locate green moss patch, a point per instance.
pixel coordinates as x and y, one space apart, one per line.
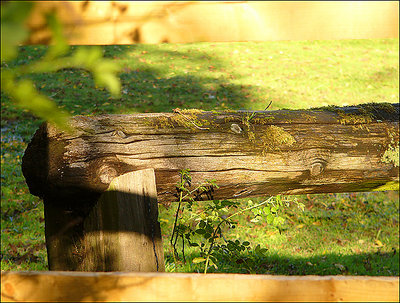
391 155
187 118
354 119
392 185
276 137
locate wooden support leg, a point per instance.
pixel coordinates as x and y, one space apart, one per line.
63 230
122 232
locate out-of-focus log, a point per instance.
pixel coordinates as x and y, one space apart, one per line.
128 22
177 287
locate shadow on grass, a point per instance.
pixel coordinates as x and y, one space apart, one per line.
153 79
159 87
364 264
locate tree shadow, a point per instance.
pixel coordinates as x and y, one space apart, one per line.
363 264
157 86
70 287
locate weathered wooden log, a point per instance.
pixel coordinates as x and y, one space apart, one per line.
247 153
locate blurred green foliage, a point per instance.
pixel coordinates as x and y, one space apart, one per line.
22 91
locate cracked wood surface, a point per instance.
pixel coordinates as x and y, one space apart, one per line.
272 152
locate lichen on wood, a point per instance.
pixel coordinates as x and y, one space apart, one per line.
372 108
391 155
352 119
186 118
392 185
275 137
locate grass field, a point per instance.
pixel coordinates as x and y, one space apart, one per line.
355 234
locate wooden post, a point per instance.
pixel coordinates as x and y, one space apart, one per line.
120 233
63 231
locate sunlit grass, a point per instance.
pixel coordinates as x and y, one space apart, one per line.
354 234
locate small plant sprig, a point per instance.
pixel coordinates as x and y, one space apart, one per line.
205 230
187 196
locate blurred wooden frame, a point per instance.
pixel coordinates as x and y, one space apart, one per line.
128 22
177 287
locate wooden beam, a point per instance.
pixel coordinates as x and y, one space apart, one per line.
128 22
167 287
249 154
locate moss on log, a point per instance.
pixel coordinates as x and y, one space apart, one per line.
248 153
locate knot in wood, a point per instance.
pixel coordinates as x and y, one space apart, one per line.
119 133
107 173
317 168
236 128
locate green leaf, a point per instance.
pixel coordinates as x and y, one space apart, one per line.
26 96
278 221
200 231
104 70
59 43
270 219
11 35
16 11
224 209
209 228
13 29
207 235
246 243
88 57
198 260
231 246
211 262
266 210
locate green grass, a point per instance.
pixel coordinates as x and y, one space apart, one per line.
350 234
355 234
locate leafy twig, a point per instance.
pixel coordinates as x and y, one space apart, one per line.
226 220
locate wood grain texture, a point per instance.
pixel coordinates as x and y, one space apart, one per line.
128 22
273 152
122 232
176 287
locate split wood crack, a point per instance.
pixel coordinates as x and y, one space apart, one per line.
178 111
